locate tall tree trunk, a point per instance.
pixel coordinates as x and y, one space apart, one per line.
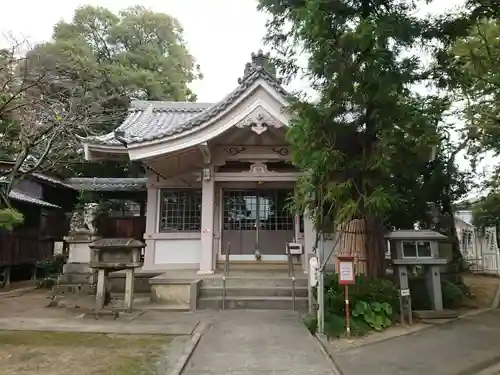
375 247
451 232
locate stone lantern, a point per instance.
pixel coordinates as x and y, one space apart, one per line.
115 254
419 248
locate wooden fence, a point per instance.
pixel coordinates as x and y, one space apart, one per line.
21 247
125 227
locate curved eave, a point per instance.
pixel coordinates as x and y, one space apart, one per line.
96 151
190 138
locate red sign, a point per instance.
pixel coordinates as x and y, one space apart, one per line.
346 270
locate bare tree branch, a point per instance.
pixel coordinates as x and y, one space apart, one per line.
41 121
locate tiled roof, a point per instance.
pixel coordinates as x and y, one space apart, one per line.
51 179
42 177
18 196
147 119
153 120
107 184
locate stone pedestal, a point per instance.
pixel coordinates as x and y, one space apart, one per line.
77 271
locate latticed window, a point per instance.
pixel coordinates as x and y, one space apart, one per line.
180 210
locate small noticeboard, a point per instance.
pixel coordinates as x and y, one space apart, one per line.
346 270
405 292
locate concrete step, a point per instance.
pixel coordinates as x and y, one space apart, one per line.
259 266
253 292
256 282
258 303
162 307
144 303
137 296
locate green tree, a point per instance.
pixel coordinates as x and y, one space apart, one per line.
368 140
136 53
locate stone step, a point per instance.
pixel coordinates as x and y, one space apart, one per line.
147 305
255 282
257 303
137 296
76 278
259 266
253 292
63 288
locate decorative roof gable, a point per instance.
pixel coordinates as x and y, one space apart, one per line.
154 120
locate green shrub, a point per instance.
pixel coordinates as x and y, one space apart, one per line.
10 218
377 315
453 294
375 302
365 289
311 322
420 299
51 267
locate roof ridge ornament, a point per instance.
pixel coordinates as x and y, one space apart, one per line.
260 62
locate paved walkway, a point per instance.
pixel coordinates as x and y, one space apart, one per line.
143 326
245 342
461 347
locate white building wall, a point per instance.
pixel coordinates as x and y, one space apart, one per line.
183 254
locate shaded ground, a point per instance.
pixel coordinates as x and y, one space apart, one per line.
448 349
62 353
17 284
32 304
483 288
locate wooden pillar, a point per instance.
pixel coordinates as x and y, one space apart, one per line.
152 224
207 221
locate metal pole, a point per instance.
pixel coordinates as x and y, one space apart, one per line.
321 287
347 317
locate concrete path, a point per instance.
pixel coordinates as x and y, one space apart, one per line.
164 327
246 342
462 347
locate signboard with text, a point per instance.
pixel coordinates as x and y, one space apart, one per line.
346 270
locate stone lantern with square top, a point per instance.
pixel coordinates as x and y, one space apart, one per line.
418 248
115 254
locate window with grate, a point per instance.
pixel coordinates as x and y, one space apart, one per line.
180 210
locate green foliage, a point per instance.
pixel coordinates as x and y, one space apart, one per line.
374 300
365 289
367 141
49 270
10 218
52 267
136 53
486 213
475 76
377 315
453 294
311 322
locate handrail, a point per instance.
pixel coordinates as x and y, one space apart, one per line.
226 274
291 273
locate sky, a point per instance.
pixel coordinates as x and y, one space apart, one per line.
220 34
